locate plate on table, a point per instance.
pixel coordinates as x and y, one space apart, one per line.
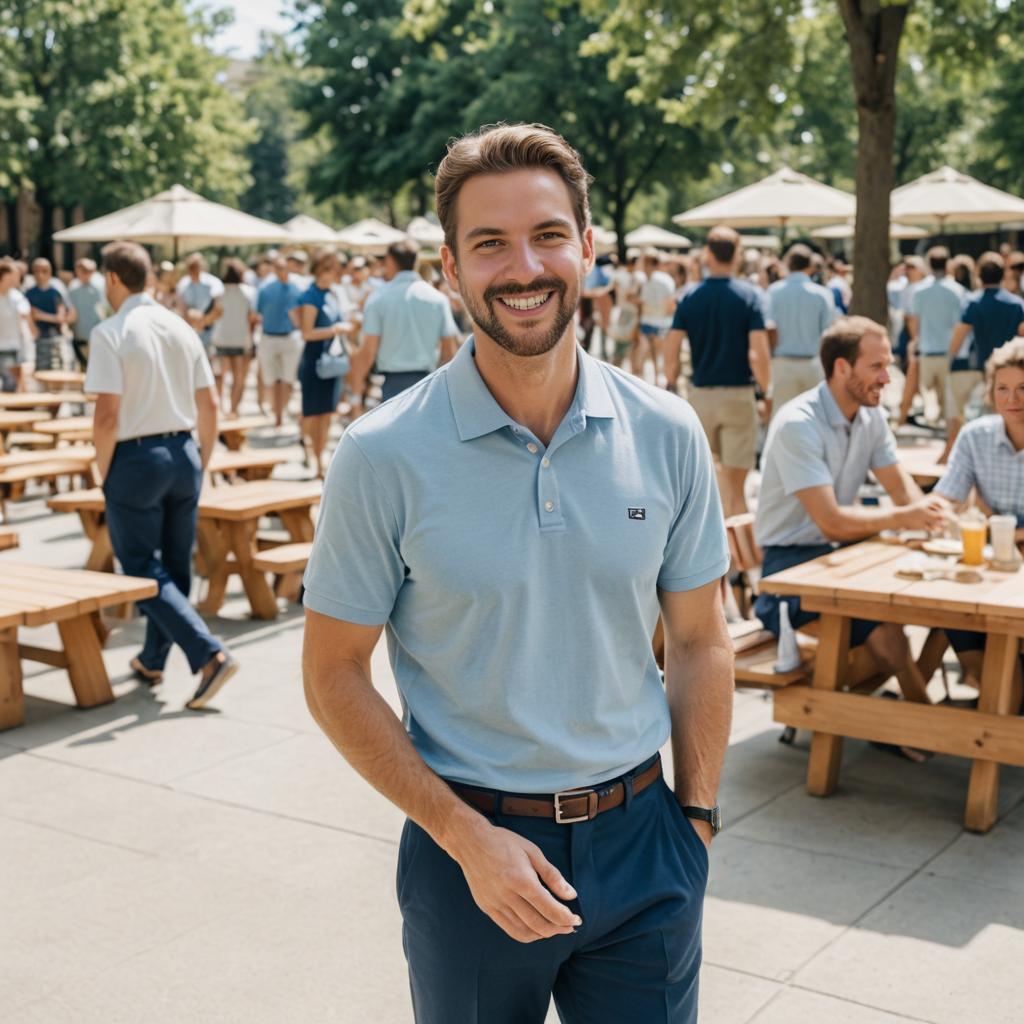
943 546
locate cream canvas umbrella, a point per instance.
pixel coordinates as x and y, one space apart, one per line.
426 233
651 236
605 240
370 236
784 199
841 231
305 230
178 218
949 196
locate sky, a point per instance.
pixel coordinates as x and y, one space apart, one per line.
251 16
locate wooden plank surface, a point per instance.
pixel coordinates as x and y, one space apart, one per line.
257 497
14 419
245 458
56 379
41 399
242 424
81 453
44 469
64 425
90 500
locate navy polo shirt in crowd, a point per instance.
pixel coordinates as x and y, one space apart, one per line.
995 316
718 316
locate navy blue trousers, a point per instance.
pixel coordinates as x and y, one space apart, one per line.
639 870
152 493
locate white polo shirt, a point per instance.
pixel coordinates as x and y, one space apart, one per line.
154 361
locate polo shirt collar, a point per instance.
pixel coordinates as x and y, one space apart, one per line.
403 276
833 413
477 413
1002 438
138 299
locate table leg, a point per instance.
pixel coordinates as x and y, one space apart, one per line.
232 440
94 526
829 674
86 670
995 698
215 561
12 700
256 472
298 523
243 544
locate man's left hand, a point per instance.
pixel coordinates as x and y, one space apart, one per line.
703 829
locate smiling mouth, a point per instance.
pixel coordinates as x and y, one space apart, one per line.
523 304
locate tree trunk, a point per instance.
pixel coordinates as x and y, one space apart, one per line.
44 245
13 224
873 32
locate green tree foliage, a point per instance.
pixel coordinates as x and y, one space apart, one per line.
123 98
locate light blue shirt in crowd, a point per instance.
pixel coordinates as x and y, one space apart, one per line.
984 457
937 304
411 317
811 443
519 582
801 311
274 300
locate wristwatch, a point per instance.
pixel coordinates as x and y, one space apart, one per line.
712 815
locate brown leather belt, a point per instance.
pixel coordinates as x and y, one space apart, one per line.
567 807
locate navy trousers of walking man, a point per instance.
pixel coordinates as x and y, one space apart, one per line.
152 493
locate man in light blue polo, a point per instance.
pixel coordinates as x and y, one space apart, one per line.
802 311
819 450
280 347
935 310
408 327
515 520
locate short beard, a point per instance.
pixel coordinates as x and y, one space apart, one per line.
526 343
861 393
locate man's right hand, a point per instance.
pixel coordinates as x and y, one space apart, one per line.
929 513
505 873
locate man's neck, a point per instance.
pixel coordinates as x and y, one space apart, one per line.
535 391
848 405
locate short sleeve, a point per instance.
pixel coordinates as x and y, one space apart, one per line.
373 322
756 312
201 370
355 570
697 550
884 452
799 457
970 313
104 375
828 311
915 303
679 318
960 477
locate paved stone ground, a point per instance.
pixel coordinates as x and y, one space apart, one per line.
162 865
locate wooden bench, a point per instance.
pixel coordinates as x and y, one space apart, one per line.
13 478
35 595
232 431
66 428
287 562
8 538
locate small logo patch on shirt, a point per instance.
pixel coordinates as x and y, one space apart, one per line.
637 513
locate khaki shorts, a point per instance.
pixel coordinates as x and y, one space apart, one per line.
933 375
792 377
960 384
278 356
729 418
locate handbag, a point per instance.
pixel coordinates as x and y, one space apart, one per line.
332 364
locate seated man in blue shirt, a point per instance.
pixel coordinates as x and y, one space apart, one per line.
516 520
49 314
819 450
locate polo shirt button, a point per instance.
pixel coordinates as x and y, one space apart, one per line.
532 448
545 462
549 506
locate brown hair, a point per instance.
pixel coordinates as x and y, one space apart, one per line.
798 258
1010 355
129 261
938 257
962 269
404 254
842 340
990 268
722 243
234 271
7 267
322 259
499 149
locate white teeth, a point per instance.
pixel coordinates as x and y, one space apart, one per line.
532 303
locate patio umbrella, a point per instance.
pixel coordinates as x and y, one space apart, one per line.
305 230
605 240
651 236
370 235
425 232
949 195
178 218
786 198
896 231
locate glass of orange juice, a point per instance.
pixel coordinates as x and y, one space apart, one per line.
972 535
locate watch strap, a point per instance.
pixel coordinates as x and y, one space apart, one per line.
712 815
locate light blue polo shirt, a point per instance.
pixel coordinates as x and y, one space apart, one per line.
802 311
411 317
938 305
811 443
519 583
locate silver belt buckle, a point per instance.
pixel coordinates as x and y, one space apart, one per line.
560 816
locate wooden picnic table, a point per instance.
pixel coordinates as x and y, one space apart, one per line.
65 428
233 431
34 595
921 461
15 419
51 400
248 463
228 518
60 380
861 582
